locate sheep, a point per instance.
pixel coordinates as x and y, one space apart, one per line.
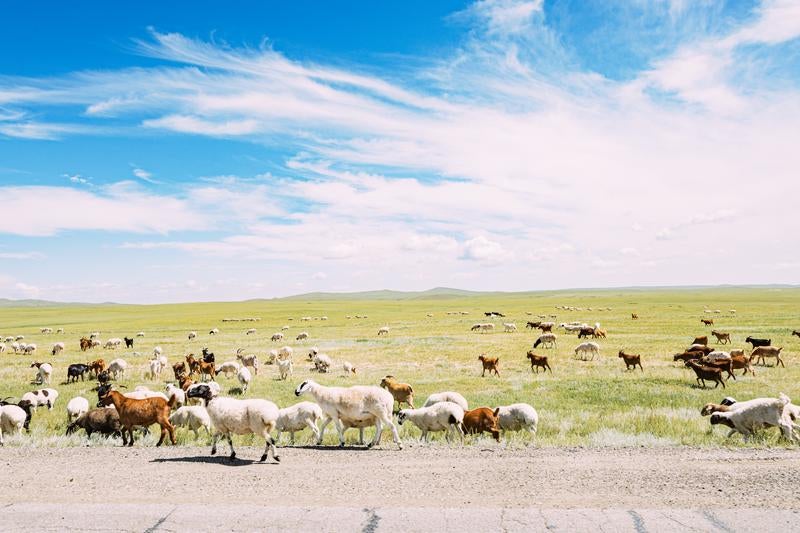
587 348
538 361
140 334
302 336
117 368
704 373
518 416
140 413
447 396
547 340
241 417
58 347
192 416
244 378
348 368
192 335
284 368
77 407
102 420
356 403
297 418
277 337
272 355
717 355
762 352
285 352
157 351
228 368
46 331
401 392
41 397
155 368
755 414
482 419
13 418
29 349
631 360
322 362
490 364
19 337
509 327
284 328
722 338
180 394
444 416
43 373
250 360
250 331
213 331
113 343
384 330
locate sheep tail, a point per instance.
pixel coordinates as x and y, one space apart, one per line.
784 399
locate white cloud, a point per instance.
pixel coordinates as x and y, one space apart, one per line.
485 250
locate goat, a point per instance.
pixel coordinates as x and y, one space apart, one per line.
631 360
701 340
539 361
490 364
138 413
722 338
706 373
758 342
707 321
482 419
763 352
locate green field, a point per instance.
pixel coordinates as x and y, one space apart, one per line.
593 403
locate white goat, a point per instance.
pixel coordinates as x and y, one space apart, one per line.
584 348
352 403
509 327
298 417
58 347
240 417
442 416
229 368
117 368
76 407
284 368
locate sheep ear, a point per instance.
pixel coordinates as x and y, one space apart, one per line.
497 412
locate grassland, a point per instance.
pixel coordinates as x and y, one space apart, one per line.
582 403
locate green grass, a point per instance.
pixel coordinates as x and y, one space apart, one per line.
581 403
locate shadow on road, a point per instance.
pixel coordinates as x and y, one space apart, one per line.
212 459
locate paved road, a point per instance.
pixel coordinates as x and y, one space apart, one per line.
200 517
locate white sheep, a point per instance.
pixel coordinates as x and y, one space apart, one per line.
547 340
303 335
277 336
192 416
46 331
584 348
298 417
284 368
518 416
356 403
192 335
271 356
178 392
747 417
157 351
448 396
113 343
348 368
12 420
322 362
241 417
244 378
19 337
140 334
44 372
229 368
117 368
284 328
442 416
58 347
717 355
509 327
383 331
323 318
60 330
250 331
41 397
286 352
29 348
76 407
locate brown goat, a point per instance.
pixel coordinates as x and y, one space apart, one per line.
631 360
634 316
85 344
739 361
546 327
482 420
206 369
184 381
726 365
401 392
490 364
142 413
97 366
762 352
701 340
796 332
707 321
704 373
178 369
688 356
539 361
194 364
599 333
722 338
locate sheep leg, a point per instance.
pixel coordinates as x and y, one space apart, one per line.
340 430
378 434
230 443
312 425
270 445
214 440
395 435
325 423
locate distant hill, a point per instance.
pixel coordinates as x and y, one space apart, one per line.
439 293
5 302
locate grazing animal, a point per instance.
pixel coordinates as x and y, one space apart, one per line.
229 368
448 396
276 337
128 342
77 407
532 325
301 336
213 331
43 373
758 342
707 321
76 371
192 335
756 414
762 352
490 364
706 373
41 397
547 340
297 418
179 369
546 327
631 360
518 416
401 392
284 368
722 338
634 316
231 416
480 420
701 340
138 413
591 348
13 418
244 377
101 420
796 333
586 332
352 403
193 417
250 360
250 331
539 361
117 368
58 347
443 416
509 327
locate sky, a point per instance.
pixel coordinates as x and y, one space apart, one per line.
207 151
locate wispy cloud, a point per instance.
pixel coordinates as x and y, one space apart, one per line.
144 175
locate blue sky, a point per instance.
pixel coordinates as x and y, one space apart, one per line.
258 149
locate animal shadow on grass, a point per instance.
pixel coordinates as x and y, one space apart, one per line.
212 459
